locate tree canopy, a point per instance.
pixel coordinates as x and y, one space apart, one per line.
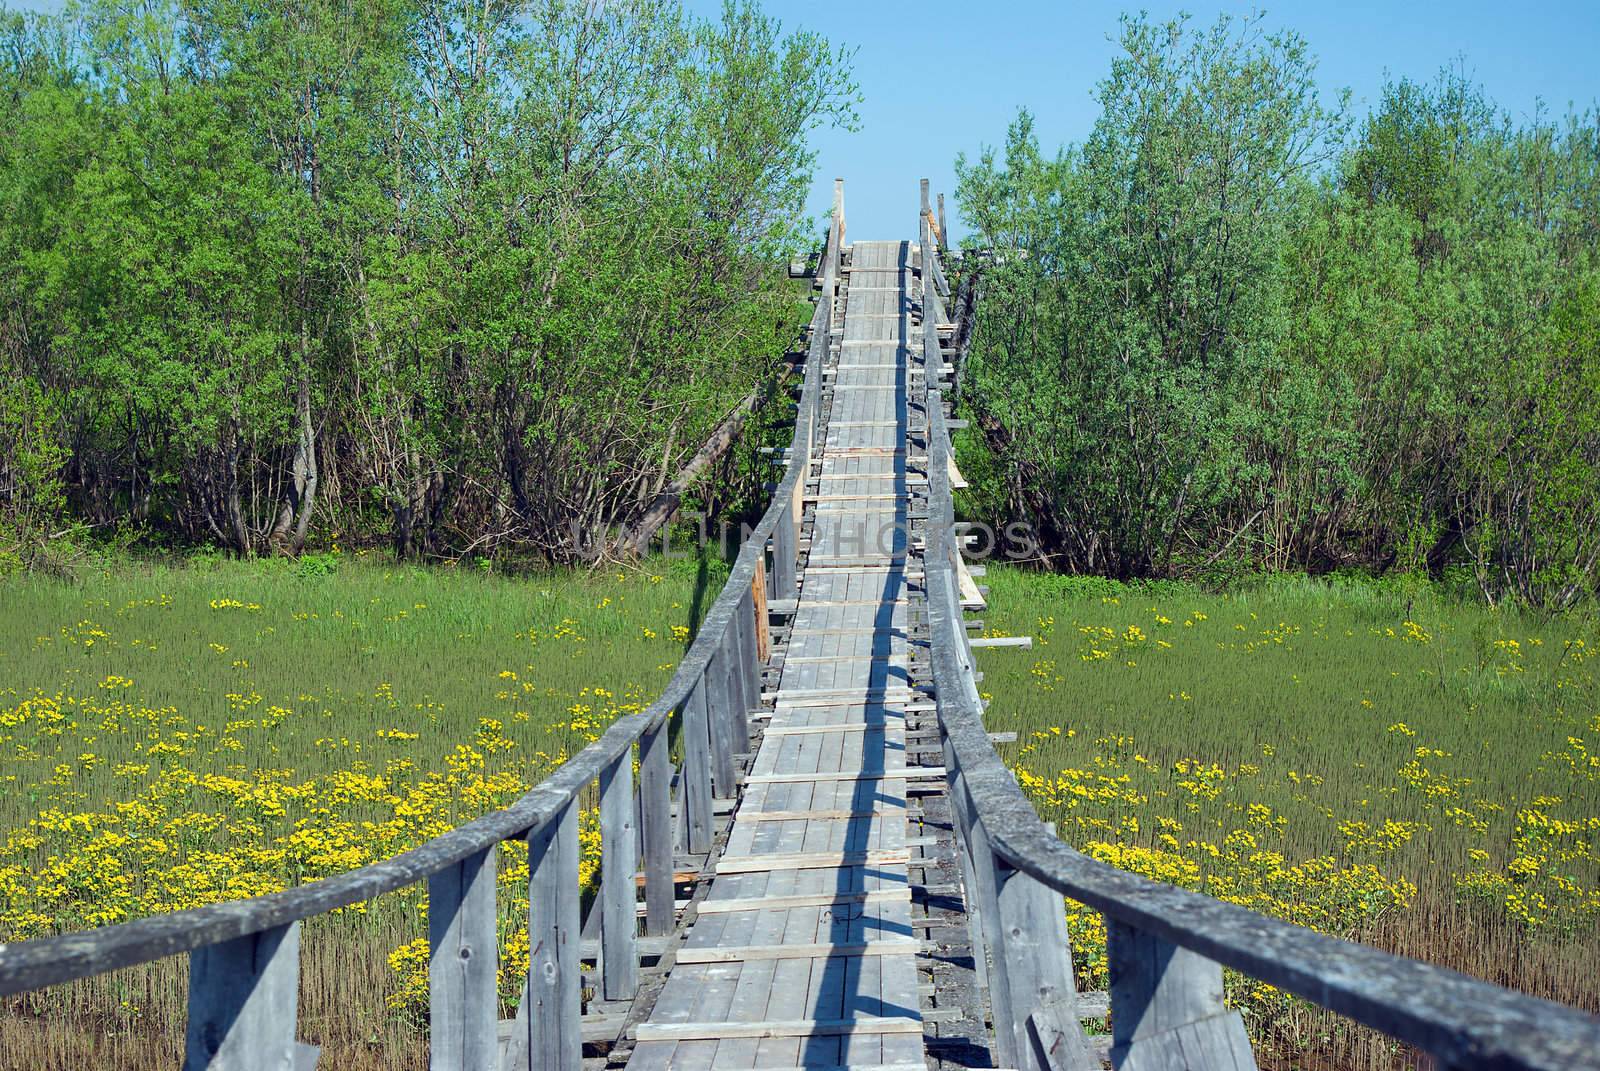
468 274
1233 330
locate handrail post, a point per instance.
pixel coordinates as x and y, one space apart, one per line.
838 219
749 661
695 795
961 819
655 816
783 554
553 1040
619 889
1167 1000
1038 954
982 901
243 1003
721 696
463 965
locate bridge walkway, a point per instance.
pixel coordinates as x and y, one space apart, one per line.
810 948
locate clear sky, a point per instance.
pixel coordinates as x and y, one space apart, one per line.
994 56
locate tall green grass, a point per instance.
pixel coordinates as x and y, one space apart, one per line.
180 732
1384 761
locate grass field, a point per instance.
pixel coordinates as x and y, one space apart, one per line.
1428 781
175 735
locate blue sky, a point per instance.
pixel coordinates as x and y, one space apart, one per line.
996 56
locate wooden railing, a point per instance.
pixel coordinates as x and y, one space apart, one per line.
1166 946
244 954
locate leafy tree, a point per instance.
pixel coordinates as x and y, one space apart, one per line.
480 274
1153 252
1222 332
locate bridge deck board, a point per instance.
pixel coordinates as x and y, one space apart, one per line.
851 635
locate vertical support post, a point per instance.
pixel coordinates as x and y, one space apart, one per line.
797 501
619 889
1038 967
783 554
838 217
944 235
243 1002
695 797
553 1040
982 902
463 966
758 600
749 672
720 702
655 809
1166 1006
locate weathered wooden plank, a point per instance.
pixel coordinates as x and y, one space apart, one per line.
1166 1006
722 701
785 535
792 816
696 793
1038 972
243 1003
909 773
789 1028
835 950
758 611
751 864
463 965
1001 641
655 797
546 1036
619 854
823 899
845 697
747 671
837 727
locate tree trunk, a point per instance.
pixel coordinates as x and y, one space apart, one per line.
636 537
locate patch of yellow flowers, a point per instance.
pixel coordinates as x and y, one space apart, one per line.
152 826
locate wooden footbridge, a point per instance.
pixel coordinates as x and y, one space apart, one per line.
837 871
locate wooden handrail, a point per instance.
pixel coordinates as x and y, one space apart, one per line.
1166 945
245 953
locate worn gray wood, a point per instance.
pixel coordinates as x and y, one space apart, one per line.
784 540
463 966
655 830
1038 962
1056 1041
721 701
619 899
1166 1007
48 961
546 1036
809 921
748 670
1459 1019
696 791
243 1000
982 900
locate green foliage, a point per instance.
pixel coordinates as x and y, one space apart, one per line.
1239 742
480 275
1223 335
